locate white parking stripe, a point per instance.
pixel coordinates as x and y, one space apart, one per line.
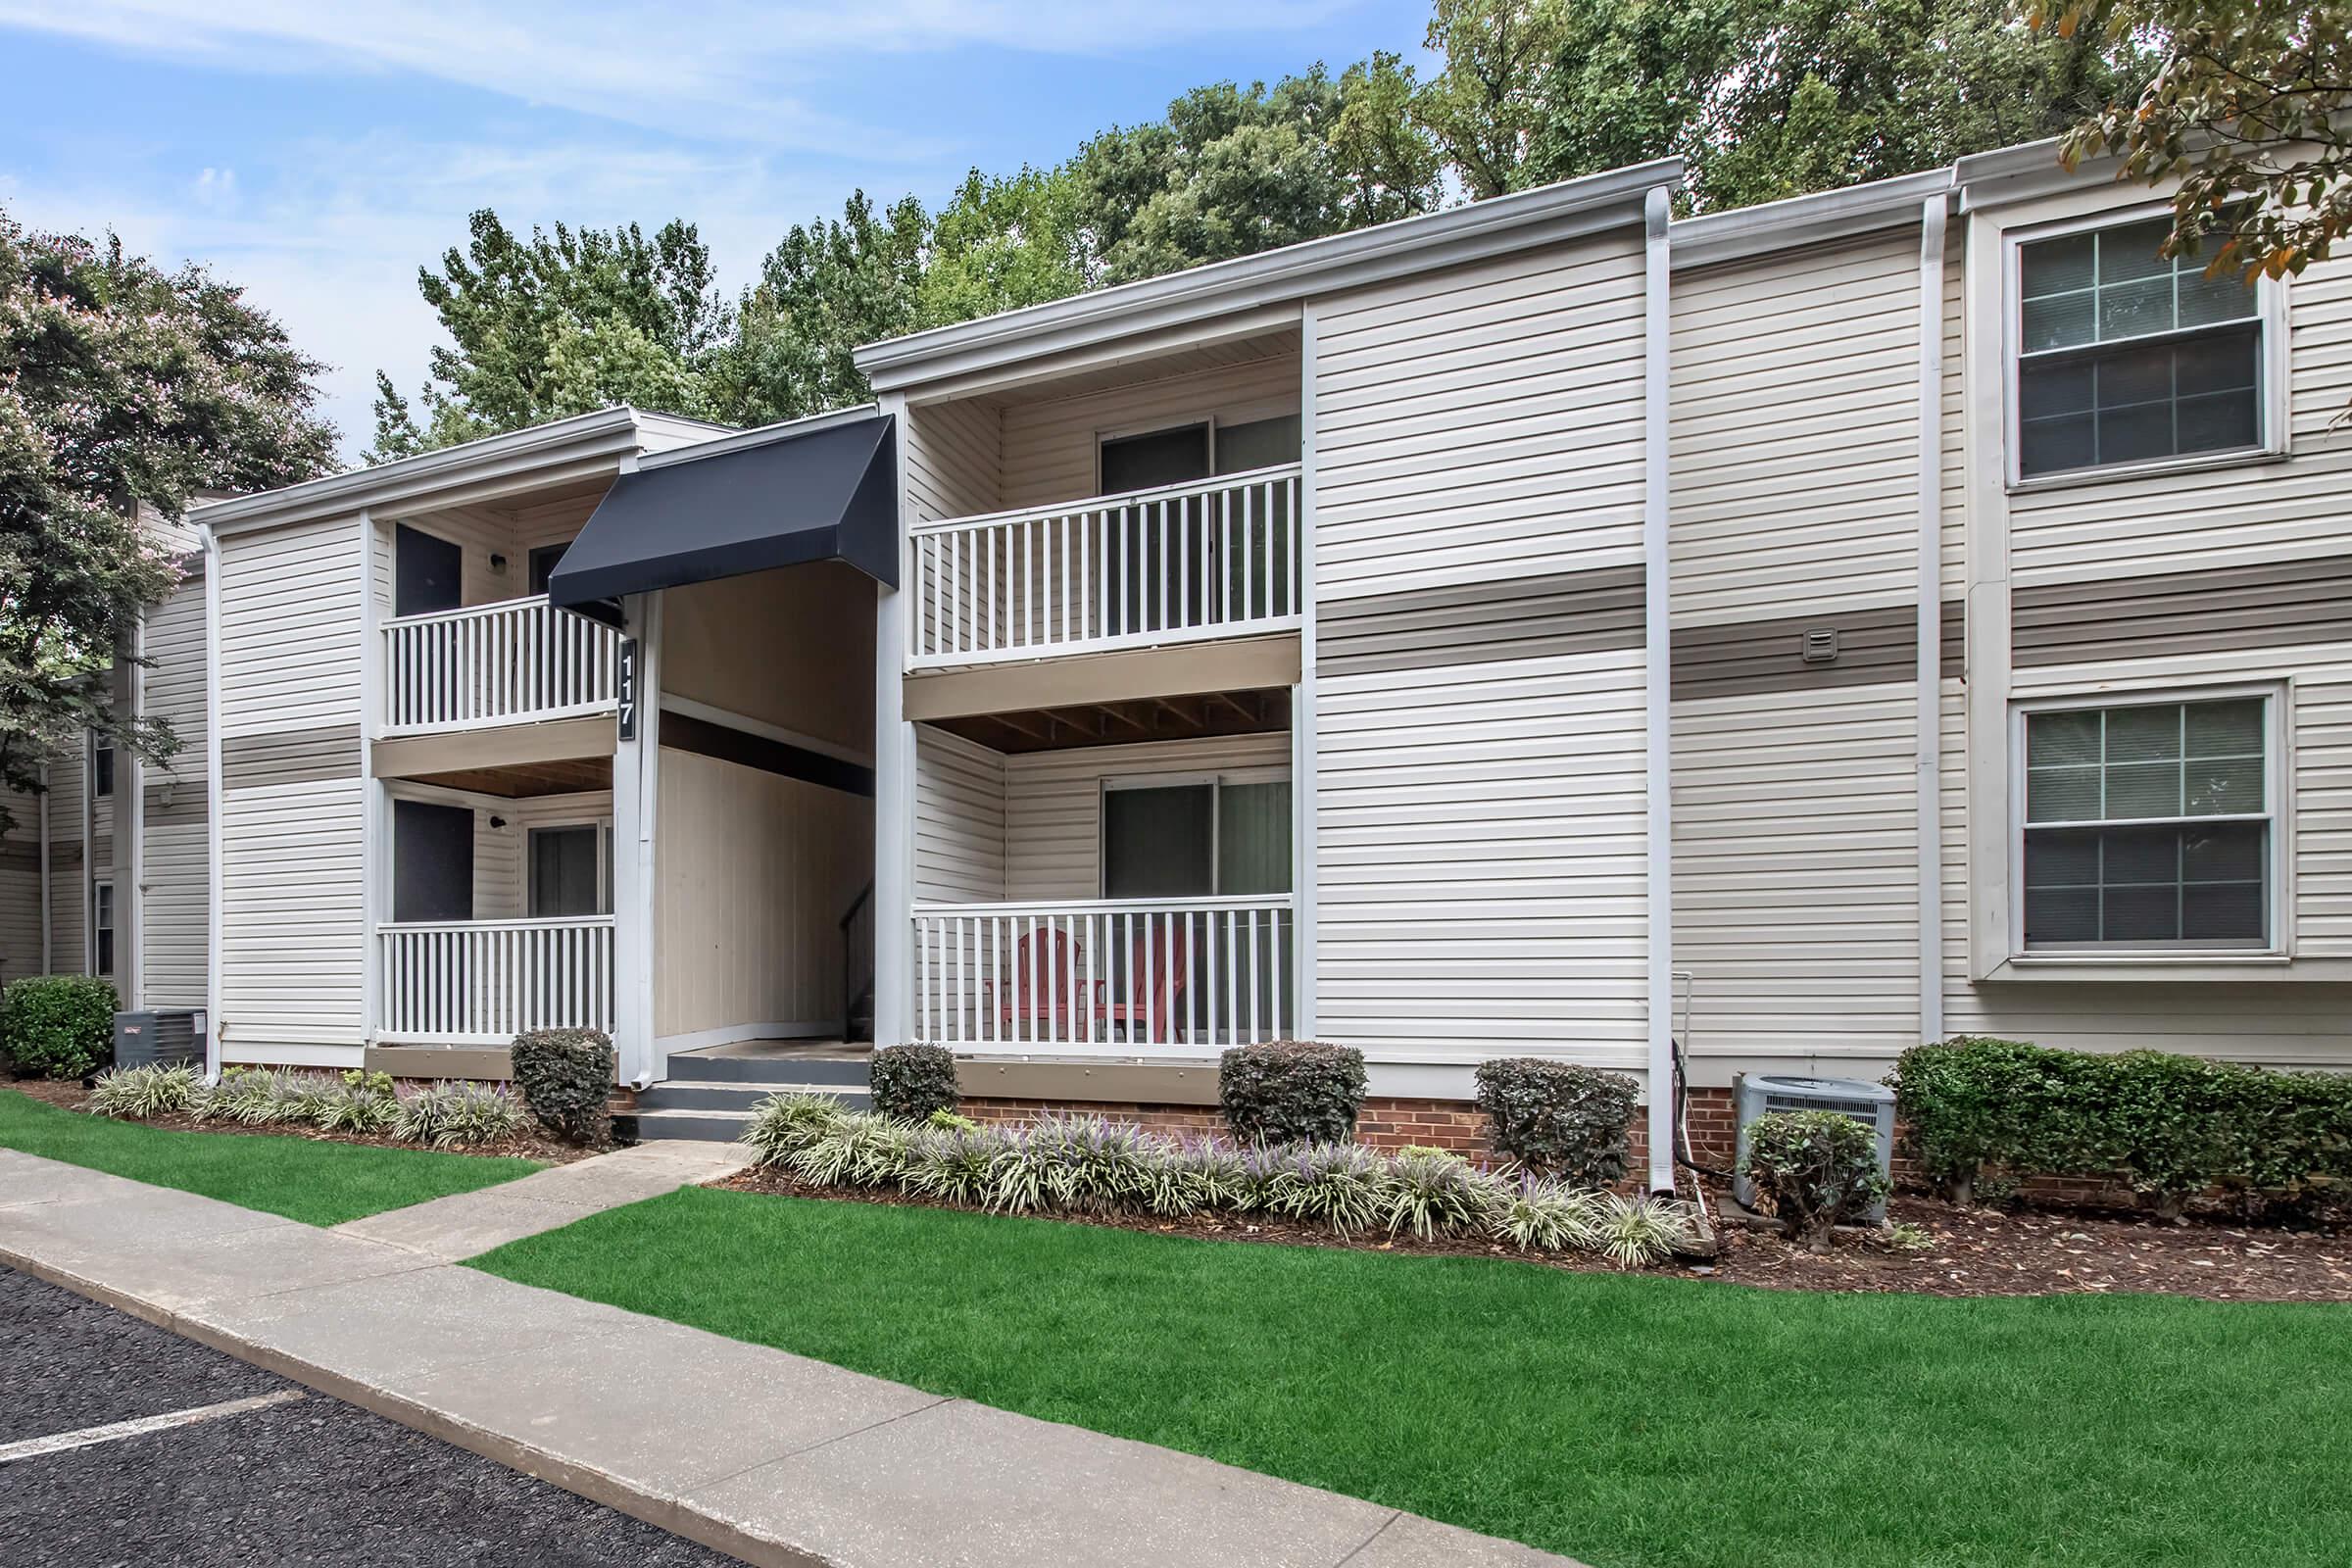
61 1442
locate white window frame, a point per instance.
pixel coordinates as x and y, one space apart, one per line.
105 921
2273 406
2277 697
1217 781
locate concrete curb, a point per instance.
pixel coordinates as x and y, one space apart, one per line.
848 1472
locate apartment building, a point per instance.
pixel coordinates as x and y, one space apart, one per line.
105 870
1539 627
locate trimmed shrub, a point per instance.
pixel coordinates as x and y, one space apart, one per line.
58 1025
1556 1117
566 1076
913 1082
137 1093
1291 1092
2171 1127
1815 1169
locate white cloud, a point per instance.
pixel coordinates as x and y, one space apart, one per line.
217 188
714 68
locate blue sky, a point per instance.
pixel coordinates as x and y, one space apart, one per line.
319 153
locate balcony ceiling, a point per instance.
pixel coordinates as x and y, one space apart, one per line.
1121 723
571 777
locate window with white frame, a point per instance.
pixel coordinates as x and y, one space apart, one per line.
1195 837
2150 825
2125 358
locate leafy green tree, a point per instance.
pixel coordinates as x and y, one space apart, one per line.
1499 86
1001 243
1234 170
2248 118
119 383
560 324
825 289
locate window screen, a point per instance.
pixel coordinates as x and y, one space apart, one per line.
2148 826
2126 357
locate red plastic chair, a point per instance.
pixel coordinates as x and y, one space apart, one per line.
1161 969
1040 991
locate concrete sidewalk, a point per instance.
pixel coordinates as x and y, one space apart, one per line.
773 1457
466 1225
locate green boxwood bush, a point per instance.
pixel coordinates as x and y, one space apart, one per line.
1980 1110
1558 1117
58 1025
913 1082
566 1076
1291 1092
1816 1169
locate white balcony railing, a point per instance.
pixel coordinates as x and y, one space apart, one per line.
1219 558
483 982
1113 975
511 663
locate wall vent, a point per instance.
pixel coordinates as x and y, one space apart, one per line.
1820 645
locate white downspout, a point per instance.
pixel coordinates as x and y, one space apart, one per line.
1658 679
1930 772
213 1024
48 892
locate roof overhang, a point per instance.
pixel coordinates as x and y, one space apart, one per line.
1826 215
1384 251
815 490
560 449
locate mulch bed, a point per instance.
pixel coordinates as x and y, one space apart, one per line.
1973 1251
68 1095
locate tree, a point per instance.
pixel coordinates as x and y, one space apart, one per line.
1234 170
560 324
2247 112
824 289
1486 106
1001 243
119 383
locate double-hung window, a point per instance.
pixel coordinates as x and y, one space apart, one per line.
2127 358
2150 825
102 929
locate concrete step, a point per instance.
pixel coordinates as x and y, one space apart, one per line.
735 1064
707 1126
690 1094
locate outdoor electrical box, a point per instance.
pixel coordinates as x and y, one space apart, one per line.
165 1036
1759 1093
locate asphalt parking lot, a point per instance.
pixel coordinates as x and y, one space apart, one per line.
281 1476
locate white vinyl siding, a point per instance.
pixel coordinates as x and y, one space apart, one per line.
1480 423
959 820
1796 432
290 628
292 926
175 890
1049 447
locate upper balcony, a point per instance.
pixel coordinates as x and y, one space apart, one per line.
515 661
1179 562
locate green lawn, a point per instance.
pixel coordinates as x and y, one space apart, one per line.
316 1182
1623 1420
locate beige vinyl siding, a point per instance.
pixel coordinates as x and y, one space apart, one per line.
69 871
292 925
1796 432
290 628
1049 447
1480 423
502 854
1053 803
1796 884
1478 860
1480 866
175 891
754 871
2220 517
951 461
21 888
959 820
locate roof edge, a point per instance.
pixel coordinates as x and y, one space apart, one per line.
1468 232
759 435
1744 231
617 429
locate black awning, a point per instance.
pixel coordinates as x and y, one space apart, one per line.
830 494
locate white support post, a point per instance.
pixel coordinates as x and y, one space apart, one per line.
894 782
130 837
1658 689
375 820
1306 1015
636 813
48 892
1930 721
213 1024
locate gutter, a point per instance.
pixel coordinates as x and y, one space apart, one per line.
1934 215
1657 677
